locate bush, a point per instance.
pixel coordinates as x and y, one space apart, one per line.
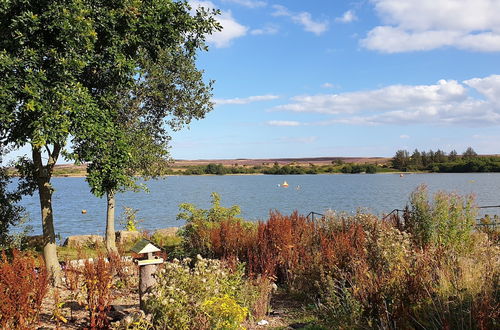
23 285
98 276
187 298
448 222
224 312
430 271
200 222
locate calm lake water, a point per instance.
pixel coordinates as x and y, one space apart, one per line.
255 194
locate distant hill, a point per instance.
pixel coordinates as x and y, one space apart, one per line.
69 170
283 161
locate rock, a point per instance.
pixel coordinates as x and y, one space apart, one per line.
262 322
125 236
83 241
171 231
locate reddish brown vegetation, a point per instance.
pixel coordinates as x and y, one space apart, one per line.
23 285
98 276
369 268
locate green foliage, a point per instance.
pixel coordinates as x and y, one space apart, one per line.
217 169
129 219
224 312
359 168
338 309
438 161
188 298
11 213
111 76
448 221
199 221
143 76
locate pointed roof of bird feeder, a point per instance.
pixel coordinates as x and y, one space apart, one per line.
144 246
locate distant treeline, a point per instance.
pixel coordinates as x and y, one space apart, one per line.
277 169
440 161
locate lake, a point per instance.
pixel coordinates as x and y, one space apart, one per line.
255 194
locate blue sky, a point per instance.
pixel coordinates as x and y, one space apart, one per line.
349 78
317 78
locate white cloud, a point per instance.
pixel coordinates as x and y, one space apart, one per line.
328 85
387 98
280 10
248 3
303 18
285 123
246 100
231 29
404 136
306 139
418 25
447 102
270 29
348 17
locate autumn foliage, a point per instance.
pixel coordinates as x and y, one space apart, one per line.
23 285
364 272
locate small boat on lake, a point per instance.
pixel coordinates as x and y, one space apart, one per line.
284 184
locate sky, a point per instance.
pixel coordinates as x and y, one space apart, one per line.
349 78
334 78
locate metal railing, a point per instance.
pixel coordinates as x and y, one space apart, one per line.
312 214
396 213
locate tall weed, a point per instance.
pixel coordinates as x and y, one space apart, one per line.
98 276
23 285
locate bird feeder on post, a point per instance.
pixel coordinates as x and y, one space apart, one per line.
147 266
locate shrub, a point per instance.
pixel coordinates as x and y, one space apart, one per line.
185 297
224 312
200 222
23 285
98 276
338 308
448 222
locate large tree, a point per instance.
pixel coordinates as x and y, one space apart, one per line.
67 67
146 85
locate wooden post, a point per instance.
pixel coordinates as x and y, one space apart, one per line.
146 281
147 267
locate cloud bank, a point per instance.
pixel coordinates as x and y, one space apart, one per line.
246 100
420 25
447 102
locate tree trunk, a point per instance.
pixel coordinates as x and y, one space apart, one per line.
110 223
42 176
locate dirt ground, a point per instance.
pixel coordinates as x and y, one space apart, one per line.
283 312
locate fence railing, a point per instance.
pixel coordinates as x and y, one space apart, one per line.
396 212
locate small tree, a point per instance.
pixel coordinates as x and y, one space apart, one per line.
400 160
469 153
144 81
453 156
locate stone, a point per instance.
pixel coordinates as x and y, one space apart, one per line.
78 241
125 236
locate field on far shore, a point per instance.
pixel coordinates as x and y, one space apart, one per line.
71 170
